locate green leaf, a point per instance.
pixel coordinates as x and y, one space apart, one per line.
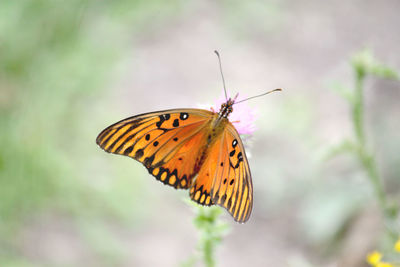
385 72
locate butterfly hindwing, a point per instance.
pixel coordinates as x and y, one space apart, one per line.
232 186
165 142
225 179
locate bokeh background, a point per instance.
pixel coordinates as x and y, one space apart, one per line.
70 68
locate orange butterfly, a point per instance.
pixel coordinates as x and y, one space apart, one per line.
192 149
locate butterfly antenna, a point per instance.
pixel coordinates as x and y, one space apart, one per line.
278 89
222 75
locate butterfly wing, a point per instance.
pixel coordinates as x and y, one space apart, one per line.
166 142
225 177
200 191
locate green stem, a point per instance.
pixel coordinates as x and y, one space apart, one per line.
366 158
211 232
208 254
210 237
358 107
370 167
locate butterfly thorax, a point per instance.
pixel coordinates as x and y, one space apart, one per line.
220 120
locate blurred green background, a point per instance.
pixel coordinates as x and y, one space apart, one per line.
70 68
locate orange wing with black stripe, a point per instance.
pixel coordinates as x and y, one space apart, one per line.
165 142
225 177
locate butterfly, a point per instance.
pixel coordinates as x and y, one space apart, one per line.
193 149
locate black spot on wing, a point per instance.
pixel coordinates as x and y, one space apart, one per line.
139 153
175 123
128 150
239 159
160 122
234 143
183 116
148 161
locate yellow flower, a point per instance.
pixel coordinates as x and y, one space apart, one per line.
383 264
374 258
397 246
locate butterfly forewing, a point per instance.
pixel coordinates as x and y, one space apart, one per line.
165 142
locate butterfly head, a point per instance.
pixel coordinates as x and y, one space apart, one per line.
226 108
